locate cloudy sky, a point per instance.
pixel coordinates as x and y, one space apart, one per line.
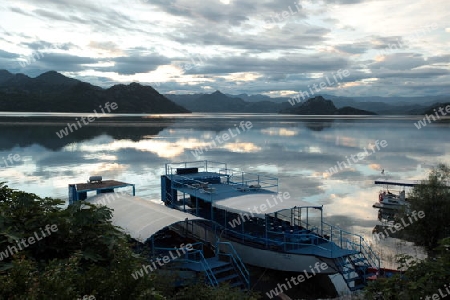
273 47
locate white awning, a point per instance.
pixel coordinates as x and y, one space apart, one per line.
258 204
138 217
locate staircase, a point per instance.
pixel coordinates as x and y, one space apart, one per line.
353 271
358 267
226 272
241 277
359 263
224 266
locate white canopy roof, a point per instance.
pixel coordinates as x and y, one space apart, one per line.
259 204
138 217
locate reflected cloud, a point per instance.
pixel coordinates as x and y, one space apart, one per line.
279 131
299 153
137 155
242 147
376 167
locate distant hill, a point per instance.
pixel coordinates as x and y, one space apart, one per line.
259 98
388 105
433 109
348 110
219 102
263 104
320 106
54 92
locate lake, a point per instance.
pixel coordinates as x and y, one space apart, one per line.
320 160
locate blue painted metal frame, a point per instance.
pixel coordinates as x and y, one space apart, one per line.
74 193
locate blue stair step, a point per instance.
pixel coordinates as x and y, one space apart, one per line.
357 260
223 270
347 271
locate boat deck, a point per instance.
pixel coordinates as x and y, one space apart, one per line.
249 210
105 184
238 194
327 250
221 191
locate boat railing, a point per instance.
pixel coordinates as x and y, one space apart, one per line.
201 165
236 260
195 255
253 183
250 180
281 241
350 241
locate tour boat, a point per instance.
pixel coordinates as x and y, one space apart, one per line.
268 228
388 199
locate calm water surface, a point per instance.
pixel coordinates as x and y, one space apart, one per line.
298 150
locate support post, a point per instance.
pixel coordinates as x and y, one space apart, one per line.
321 221
307 218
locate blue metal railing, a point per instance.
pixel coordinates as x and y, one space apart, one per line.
204 263
194 256
351 241
281 240
202 165
237 262
233 176
248 179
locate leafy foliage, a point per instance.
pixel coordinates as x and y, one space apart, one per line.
420 278
423 279
87 255
433 198
225 292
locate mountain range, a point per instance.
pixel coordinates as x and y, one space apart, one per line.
54 92
320 106
243 103
219 102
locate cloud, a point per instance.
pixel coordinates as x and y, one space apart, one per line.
278 47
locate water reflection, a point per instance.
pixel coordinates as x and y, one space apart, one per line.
300 152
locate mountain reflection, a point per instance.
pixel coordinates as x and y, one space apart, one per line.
299 151
25 134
